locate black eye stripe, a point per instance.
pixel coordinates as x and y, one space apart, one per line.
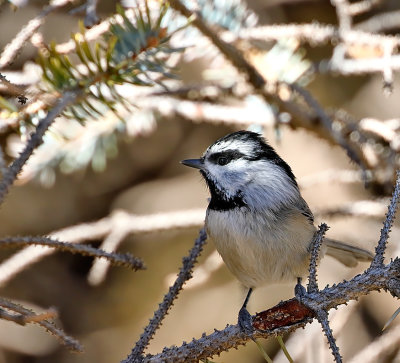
229 155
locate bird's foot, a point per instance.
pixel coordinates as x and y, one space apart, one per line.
299 289
245 321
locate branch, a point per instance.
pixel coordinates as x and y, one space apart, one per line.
387 225
12 49
100 229
185 274
322 317
283 318
28 316
118 259
36 139
314 248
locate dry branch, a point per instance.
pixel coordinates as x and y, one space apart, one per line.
185 274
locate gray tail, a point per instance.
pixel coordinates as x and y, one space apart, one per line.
346 254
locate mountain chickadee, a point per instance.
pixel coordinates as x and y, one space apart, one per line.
257 218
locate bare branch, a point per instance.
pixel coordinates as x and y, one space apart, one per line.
91 17
360 208
381 22
314 33
343 15
36 139
185 274
322 317
387 225
100 229
315 249
118 259
363 6
29 316
11 50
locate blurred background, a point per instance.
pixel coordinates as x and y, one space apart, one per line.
128 162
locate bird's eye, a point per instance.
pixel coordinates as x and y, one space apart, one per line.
222 160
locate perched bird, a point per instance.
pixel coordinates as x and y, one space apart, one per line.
257 218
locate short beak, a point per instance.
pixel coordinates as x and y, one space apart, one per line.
193 163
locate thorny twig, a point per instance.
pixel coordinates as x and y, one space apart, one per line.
387 225
314 248
28 316
36 139
130 223
185 274
322 317
118 259
20 315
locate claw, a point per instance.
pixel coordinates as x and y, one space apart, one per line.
299 289
245 321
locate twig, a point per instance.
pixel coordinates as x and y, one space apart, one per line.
314 34
207 112
100 229
364 6
381 22
12 49
315 248
36 139
360 208
343 14
100 267
11 88
91 17
23 319
3 165
387 225
348 67
118 259
68 341
322 317
185 274
327 123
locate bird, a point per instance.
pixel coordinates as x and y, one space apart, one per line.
258 220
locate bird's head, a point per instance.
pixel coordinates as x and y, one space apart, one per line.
242 169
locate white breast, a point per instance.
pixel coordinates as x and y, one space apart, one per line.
262 248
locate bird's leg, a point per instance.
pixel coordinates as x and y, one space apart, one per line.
244 318
299 289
